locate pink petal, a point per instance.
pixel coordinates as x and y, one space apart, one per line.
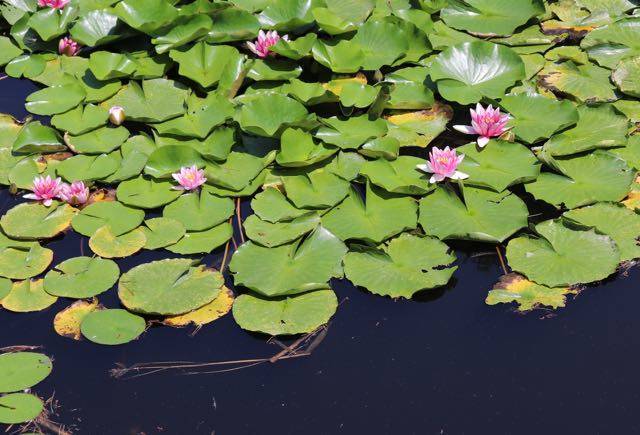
483 141
466 129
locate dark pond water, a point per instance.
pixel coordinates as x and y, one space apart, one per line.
442 364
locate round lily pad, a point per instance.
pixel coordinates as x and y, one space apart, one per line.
23 262
199 211
36 221
27 296
5 287
203 242
285 316
161 232
67 322
121 218
22 370
215 309
146 192
557 256
81 277
19 408
168 287
106 244
112 327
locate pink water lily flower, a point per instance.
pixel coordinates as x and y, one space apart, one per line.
486 123
189 178
443 164
68 47
55 4
45 189
75 193
264 42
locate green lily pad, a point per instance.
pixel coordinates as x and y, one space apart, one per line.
469 71
286 316
145 192
37 138
107 244
315 187
147 16
611 131
161 232
22 370
351 132
81 277
119 217
55 99
587 83
499 165
278 271
9 50
112 327
297 149
242 165
36 221
397 176
341 56
382 42
167 160
585 179
97 27
5 287
614 220
208 64
155 100
377 217
401 268
527 123
625 76
497 17
611 43
271 234
268 113
98 141
272 206
199 211
479 215
28 296
202 242
556 257
19 408
168 287
87 167
81 120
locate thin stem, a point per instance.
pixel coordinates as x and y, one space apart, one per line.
224 257
504 267
239 219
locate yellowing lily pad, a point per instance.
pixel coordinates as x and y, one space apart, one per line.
169 287
27 296
527 294
106 244
35 221
67 322
21 262
215 309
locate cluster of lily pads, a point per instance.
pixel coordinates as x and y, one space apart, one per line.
334 118
19 372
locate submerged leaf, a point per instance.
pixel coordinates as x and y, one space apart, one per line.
527 294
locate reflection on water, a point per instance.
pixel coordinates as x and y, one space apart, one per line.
443 363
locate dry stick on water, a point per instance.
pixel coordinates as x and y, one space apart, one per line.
239 219
504 267
300 348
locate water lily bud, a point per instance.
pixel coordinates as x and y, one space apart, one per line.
116 115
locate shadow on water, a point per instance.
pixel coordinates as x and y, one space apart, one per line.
445 363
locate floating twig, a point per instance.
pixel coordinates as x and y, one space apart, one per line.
504 267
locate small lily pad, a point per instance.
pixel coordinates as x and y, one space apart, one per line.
528 295
19 408
112 327
22 370
24 261
67 322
